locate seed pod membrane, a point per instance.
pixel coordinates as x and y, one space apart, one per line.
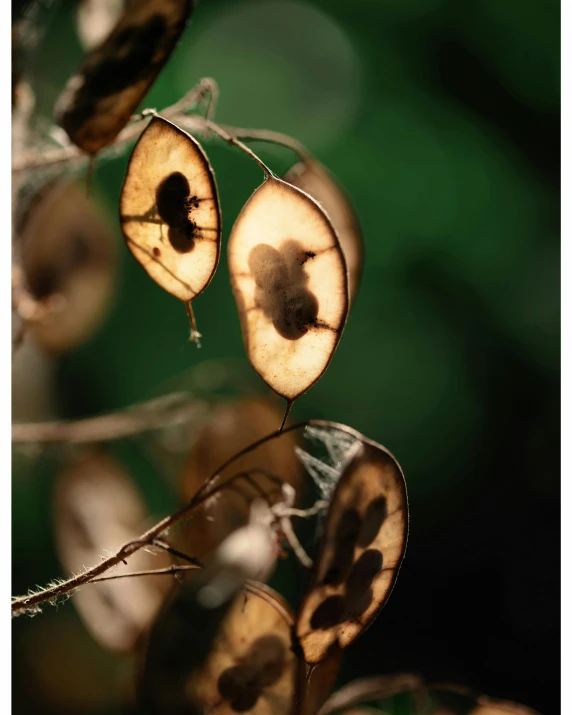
289 280
233 658
251 666
169 210
101 97
315 179
362 548
97 511
232 427
67 250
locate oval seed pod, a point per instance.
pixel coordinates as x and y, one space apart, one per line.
169 210
97 510
232 427
313 178
68 250
289 280
363 544
100 98
251 667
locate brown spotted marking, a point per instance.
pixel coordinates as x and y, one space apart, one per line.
362 548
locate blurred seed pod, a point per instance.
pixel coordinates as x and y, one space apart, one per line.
488 706
313 178
97 510
289 279
250 667
364 690
32 384
95 19
98 101
169 210
362 547
69 260
232 427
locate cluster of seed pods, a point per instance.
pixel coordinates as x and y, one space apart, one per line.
295 257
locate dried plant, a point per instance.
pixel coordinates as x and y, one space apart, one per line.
220 641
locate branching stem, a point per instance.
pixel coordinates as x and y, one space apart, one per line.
21 604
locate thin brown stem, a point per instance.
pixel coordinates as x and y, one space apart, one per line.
160 543
195 336
289 404
173 569
270 137
230 139
158 413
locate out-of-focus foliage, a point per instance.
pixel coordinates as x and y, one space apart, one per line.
440 120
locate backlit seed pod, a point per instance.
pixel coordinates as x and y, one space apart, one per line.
97 510
289 280
101 97
314 179
250 667
232 427
362 548
169 210
69 257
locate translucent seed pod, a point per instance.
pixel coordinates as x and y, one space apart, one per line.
289 279
97 510
362 548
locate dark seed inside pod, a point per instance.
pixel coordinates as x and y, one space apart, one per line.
174 204
329 613
281 287
373 519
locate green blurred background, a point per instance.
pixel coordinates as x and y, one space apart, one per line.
441 120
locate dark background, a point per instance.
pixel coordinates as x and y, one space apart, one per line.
441 120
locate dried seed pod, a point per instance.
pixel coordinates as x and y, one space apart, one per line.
251 667
289 280
232 427
313 178
169 210
101 97
362 548
69 257
97 510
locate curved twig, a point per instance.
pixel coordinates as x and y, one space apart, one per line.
166 411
